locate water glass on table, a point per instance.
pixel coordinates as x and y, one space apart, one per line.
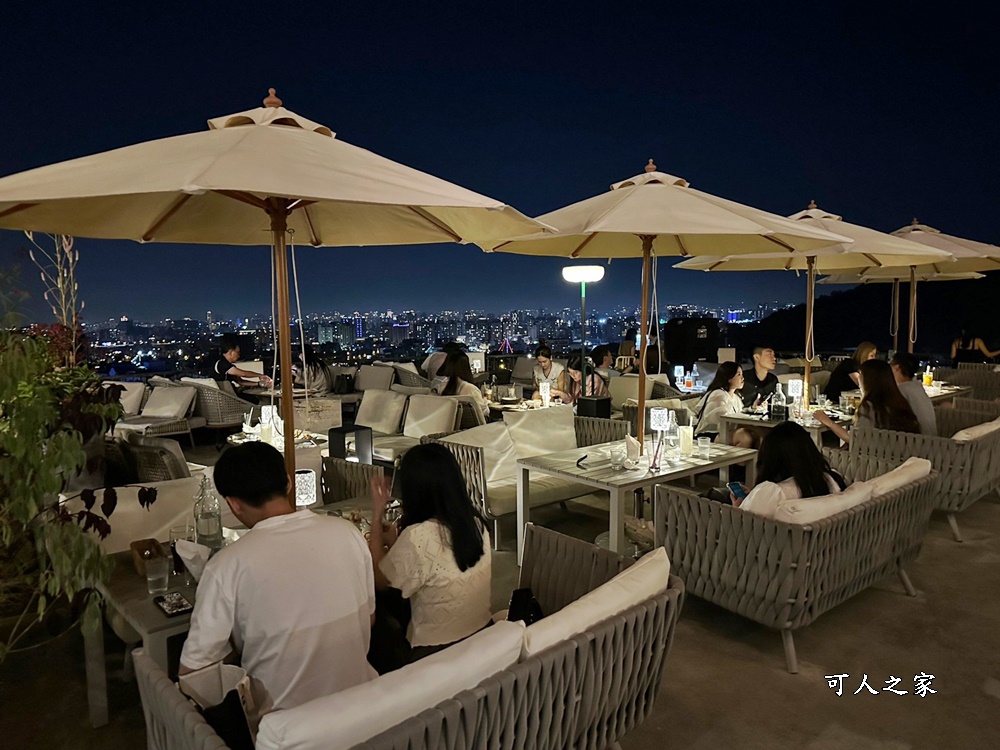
157 574
704 448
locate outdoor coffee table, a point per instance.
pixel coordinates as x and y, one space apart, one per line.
595 471
125 591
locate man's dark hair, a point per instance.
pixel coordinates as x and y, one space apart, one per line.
598 353
760 348
452 346
228 342
253 473
906 363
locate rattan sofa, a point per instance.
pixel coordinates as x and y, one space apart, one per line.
785 575
587 691
985 383
969 470
500 499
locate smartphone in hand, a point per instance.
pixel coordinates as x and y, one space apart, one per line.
738 490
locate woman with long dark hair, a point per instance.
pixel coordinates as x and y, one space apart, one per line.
570 384
441 559
719 400
882 405
310 371
458 371
789 467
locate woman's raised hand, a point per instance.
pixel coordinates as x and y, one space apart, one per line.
380 498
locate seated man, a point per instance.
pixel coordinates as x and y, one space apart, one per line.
225 367
904 367
295 596
759 382
604 362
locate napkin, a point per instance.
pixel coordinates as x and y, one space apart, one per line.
632 447
194 556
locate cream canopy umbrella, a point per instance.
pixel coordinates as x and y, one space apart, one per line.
251 178
869 249
968 256
658 214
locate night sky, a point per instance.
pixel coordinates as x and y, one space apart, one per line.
879 115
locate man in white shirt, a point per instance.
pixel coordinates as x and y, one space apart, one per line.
904 367
294 597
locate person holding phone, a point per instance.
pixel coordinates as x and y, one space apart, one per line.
789 467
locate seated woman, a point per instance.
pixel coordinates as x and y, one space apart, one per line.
719 400
789 467
441 559
458 372
570 385
845 376
882 406
546 371
310 371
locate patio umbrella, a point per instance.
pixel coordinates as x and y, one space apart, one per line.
658 214
969 256
869 249
892 275
251 178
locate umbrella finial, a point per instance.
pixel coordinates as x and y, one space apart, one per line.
271 100
650 167
914 222
812 204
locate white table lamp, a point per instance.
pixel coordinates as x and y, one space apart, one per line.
305 487
659 419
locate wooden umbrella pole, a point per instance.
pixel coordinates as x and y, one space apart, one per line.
278 211
810 296
912 334
647 252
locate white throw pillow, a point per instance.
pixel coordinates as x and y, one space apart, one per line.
812 509
206 382
347 718
381 410
539 431
429 415
169 401
372 377
131 397
646 578
499 456
911 470
976 431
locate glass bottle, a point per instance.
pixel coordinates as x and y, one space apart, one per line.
671 435
207 517
778 407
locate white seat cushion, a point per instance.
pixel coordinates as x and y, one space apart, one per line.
647 578
131 397
352 716
373 377
812 509
911 470
169 401
391 447
501 497
499 456
976 431
381 410
539 431
429 415
625 387
206 382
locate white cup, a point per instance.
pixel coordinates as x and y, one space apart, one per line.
704 447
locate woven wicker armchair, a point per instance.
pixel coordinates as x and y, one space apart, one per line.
969 470
978 366
588 691
346 480
589 431
786 575
219 408
987 411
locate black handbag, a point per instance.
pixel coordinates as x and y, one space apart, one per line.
524 607
343 383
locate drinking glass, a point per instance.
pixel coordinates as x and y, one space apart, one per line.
618 456
157 574
704 447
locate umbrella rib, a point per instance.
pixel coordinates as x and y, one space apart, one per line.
579 248
249 198
15 209
150 233
427 216
776 241
873 259
313 236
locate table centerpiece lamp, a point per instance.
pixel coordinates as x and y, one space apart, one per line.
659 422
305 488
